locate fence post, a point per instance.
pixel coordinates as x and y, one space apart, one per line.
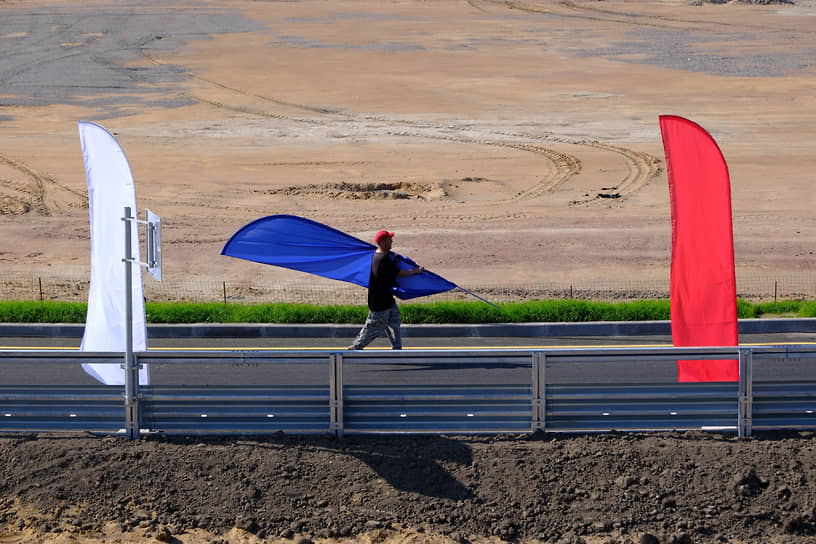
39 279
336 394
746 393
539 389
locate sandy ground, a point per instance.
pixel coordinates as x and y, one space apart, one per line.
502 141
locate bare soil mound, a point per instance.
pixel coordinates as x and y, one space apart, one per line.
362 191
611 488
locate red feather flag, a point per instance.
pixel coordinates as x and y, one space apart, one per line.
703 283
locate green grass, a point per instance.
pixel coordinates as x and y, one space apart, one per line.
807 309
42 312
552 311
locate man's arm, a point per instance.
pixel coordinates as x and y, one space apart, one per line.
411 272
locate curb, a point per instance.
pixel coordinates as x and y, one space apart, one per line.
509 330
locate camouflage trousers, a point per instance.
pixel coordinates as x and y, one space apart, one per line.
386 322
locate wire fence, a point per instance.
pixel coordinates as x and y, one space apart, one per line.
316 290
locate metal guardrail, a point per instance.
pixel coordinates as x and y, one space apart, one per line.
411 391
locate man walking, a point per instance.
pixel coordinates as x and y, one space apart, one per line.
383 312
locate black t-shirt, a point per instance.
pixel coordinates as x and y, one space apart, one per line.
383 277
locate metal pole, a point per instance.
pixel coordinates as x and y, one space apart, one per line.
746 393
336 394
539 391
151 261
131 371
480 298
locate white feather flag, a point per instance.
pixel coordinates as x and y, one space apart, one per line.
110 189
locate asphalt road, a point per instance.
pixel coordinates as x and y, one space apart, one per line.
236 371
408 343
755 331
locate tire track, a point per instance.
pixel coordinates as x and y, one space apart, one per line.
17 198
475 5
569 8
520 6
253 111
641 166
313 109
599 14
565 165
637 18
592 14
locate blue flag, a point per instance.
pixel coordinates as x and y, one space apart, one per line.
301 244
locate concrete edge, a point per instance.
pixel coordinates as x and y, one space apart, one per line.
509 330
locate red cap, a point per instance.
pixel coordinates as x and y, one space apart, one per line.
383 234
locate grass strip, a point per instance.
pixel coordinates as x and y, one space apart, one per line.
537 311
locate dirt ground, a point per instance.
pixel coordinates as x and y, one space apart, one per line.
503 141
609 488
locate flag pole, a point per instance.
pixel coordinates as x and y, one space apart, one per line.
131 370
471 293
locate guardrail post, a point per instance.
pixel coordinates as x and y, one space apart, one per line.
132 410
336 394
539 387
746 393
131 369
